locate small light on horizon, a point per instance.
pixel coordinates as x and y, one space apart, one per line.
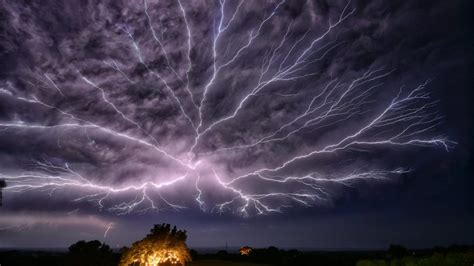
245 251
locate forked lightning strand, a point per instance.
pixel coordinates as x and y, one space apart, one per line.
404 117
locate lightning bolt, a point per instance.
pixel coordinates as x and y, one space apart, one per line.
402 118
109 227
115 66
289 72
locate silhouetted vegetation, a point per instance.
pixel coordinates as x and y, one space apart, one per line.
275 256
90 253
451 256
397 251
28 258
94 253
396 255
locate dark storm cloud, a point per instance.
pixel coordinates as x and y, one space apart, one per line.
101 65
52 55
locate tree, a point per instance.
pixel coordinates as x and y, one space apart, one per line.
162 246
92 253
397 251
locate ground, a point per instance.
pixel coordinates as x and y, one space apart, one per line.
220 263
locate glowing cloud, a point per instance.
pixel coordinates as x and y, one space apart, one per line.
197 105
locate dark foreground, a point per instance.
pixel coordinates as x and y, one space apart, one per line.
396 255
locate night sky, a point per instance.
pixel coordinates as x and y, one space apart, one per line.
300 124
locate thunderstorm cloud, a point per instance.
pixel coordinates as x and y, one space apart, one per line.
245 107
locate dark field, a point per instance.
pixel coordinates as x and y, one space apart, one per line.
221 263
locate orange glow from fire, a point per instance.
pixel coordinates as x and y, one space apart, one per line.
245 251
161 256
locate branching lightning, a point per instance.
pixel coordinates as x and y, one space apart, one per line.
405 119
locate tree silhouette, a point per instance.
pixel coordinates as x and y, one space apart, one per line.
92 253
163 246
397 251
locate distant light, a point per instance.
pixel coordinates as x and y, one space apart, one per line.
245 251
